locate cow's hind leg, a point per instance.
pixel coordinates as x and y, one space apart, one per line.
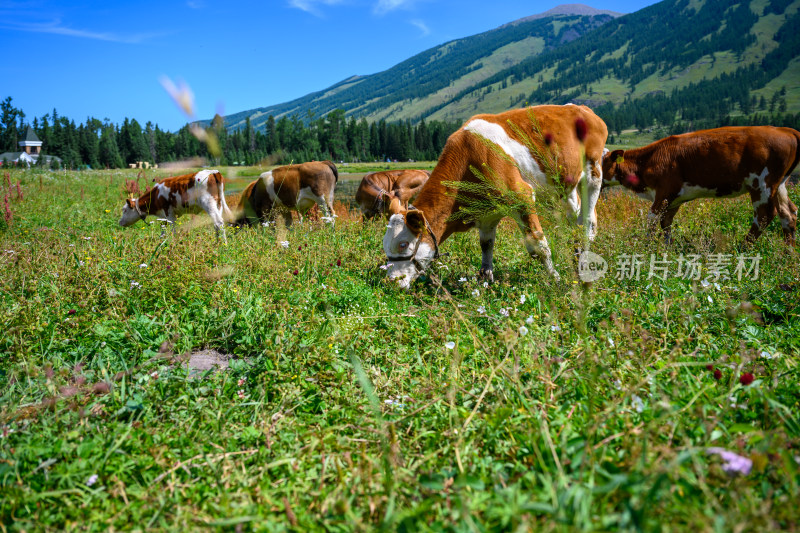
787 212
535 241
326 206
594 182
487 233
764 210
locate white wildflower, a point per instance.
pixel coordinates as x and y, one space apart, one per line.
285 244
135 285
555 328
476 293
462 279
92 480
529 320
143 265
504 311
485 284
481 309
450 345
523 331
522 299
638 404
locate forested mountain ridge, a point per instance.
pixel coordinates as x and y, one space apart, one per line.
434 76
681 63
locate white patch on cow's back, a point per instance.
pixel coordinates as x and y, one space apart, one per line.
164 191
520 154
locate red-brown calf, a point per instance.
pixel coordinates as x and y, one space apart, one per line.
715 163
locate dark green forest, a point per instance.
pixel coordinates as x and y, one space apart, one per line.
104 145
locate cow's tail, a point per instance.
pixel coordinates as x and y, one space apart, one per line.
796 161
334 170
227 215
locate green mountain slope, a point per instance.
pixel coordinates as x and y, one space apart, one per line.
431 79
697 62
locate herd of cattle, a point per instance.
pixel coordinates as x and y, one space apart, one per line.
520 150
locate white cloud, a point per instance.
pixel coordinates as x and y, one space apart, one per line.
195 4
56 28
422 27
384 6
312 6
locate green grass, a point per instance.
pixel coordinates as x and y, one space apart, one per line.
343 407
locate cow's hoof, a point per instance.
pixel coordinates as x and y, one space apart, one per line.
486 274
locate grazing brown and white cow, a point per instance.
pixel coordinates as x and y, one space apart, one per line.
513 145
715 163
378 189
175 196
289 187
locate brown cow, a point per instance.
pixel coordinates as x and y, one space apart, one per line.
518 146
295 187
377 189
189 193
715 163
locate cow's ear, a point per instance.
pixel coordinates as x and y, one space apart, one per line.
394 206
415 221
617 156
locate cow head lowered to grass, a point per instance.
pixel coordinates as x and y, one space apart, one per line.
515 151
377 189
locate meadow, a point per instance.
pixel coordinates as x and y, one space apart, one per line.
633 403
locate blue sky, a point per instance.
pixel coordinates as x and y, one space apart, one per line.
106 58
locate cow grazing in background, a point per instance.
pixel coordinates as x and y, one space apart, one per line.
295 187
175 196
513 145
715 163
378 189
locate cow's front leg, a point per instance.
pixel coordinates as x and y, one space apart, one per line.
487 233
572 206
655 217
536 242
666 224
287 218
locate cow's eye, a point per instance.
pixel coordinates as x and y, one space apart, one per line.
403 245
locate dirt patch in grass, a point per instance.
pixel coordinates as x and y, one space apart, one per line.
207 360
